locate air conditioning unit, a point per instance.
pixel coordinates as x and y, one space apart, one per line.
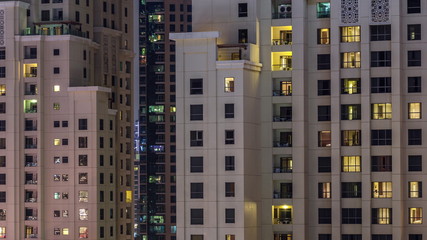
285 8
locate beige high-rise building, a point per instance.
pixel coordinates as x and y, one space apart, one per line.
65 119
302 119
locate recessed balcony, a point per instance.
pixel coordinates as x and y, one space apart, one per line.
282 214
281 35
282 138
282 113
282 190
282 165
281 9
281 61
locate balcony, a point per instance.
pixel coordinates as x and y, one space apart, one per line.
232 52
281 35
281 61
283 138
282 236
30 160
282 113
282 190
30 125
281 9
282 165
54 28
31 232
30 106
30 196
30 214
30 178
30 142
30 70
282 214
282 87
30 89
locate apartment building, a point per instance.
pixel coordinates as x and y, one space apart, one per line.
155 176
301 120
66 120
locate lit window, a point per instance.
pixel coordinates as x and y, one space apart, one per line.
83 232
414 110
350 34
281 61
30 70
350 86
351 138
416 215
2 232
83 178
2 89
56 106
323 36
56 88
65 231
415 190
324 138
381 111
128 196
351 112
57 195
351 164
350 60
323 10
282 214
381 216
382 190
83 214
324 190
229 84
57 177
30 106
56 141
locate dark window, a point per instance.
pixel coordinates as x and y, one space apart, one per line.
64 123
351 190
414 32
323 113
196 138
229 136
229 189
55 52
196 216
83 142
196 86
2 53
83 124
325 216
323 61
2 72
196 112
382 237
381 163
229 163
415 237
3 125
414 84
229 110
324 164
56 70
77 16
381 85
380 32
196 190
2 179
243 35
414 136
351 215
415 163
82 160
45 15
325 237
2 196
351 112
323 87
243 9
381 59
351 237
414 58
196 164
230 215
381 137
414 6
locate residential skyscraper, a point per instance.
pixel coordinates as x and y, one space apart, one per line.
301 120
156 209
66 121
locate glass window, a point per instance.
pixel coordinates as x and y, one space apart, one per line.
229 84
324 164
381 137
414 110
414 6
381 111
351 138
415 189
323 36
381 163
243 10
196 112
196 164
415 215
324 138
196 190
381 59
414 136
83 196
414 32
229 163
351 190
351 112
414 58
350 86
324 87
351 215
323 113
382 216
196 138
380 32
324 215
324 190
196 86
229 189
229 110
83 232
230 215
350 34
350 60
381 85
414 84
196 216
323 61
415 163
323 10
382 190
351 164
83 214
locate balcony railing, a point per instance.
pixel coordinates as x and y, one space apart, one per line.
282 93
31 218
53 31
281 42
281 67
281 144
282 118
282 169
31 164
283 220
30 75
31 200
280 195
281 15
